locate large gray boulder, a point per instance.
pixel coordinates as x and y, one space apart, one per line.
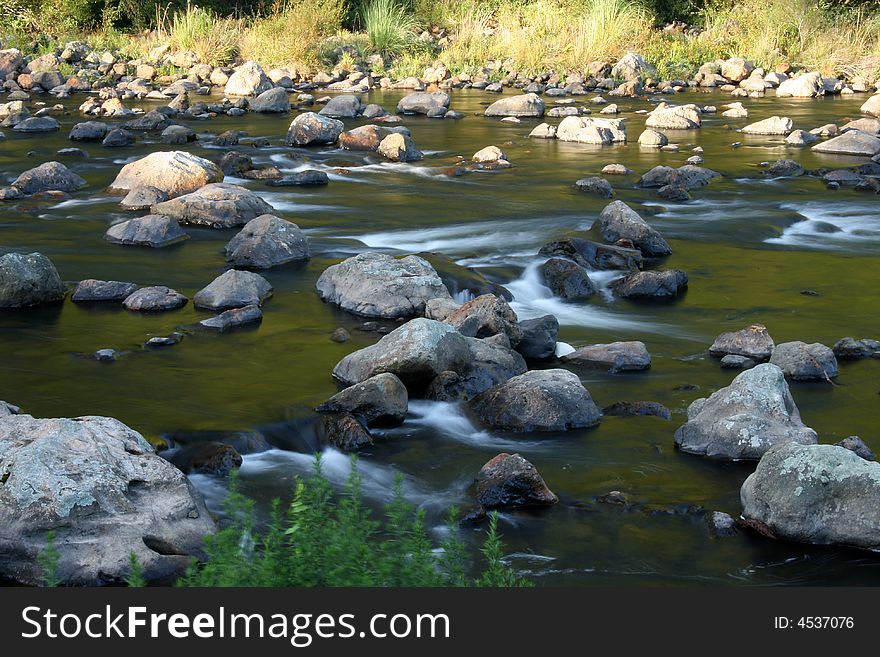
378 285
379 400
100 487
153 230
37 124
594 255
233 289
525 105
618 221
218 205
491 362
752 342
510 481
50 176
745 419
872 106
433 103
485 316
345 106
249 79
822 494
416 353
657 283
539 337
273 101
399 147
800 361
674 117
539 400
567 279
803 86
775 125
688 176
615 356
28 280
267 241
851 142
89 131
589 130
173 172
309 129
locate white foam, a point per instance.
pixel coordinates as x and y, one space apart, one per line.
858 224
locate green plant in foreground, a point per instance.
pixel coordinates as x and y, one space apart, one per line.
48 560
135 577
321 539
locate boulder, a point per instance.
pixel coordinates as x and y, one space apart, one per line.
305 178
173 172
143 198
851 142
852 349
593 255
366 137
805 362
752 342
399 147
737 69
92 290
785 169
734 362
234 317
265 242
233 289
432 103
152 121
803 86
567 279
309 129
89 131
538 400
28 280
218 205
117 138
509 480
50 176
156 298
651 138
538 337
820 494
872 106
632 66
618 221
415 352
775 125
491 362
247 80
595 186
657 283
745 419
178 134
345 106
378 285
273 101
104 492
615 356
588 130
674 117
857 446
688 176
37 124
523 105
343 431
379 400
153 230
485 316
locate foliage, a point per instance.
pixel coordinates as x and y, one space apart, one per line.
326 540
135 577
389 26
214 39
48 561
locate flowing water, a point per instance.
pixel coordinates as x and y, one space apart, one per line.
750 245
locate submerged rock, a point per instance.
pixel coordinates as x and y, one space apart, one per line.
615 357
28 280
378 285
539 400
820 494
629 409
104 492
742 421
381 400
265 242
509 480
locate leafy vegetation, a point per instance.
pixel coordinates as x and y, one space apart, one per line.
48 562
324 540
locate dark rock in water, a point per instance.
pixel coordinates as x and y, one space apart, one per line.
825 227
619 221
688 176
615 357
539 400
154 299
152 121
810 293
538 337
423 102
233 289
745 419
228 138
177 134
340 335
687 387
785 168
485 316
594 255
820 494
153 230
852 349
234 317
857 445
379 400
614 497
117 138
104 492
218 205
265 242
49 176
628 409
343 431
734 362
344 106
273 100
753 342
307 178
509 480
596 186
93 290
567 279
213 458
721 525
458 278
673 193
106 355
659 283
804 362
309 129
490 364
28 280
164 340
72 152
37 124
89 131
234 163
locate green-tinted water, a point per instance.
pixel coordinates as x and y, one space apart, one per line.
750 246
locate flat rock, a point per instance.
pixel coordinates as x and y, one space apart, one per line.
615 356
233 289
153 230
92 290
234 317
852 142
753 342
155 298
654 283
218 205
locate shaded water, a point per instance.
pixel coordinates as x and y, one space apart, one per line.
749 245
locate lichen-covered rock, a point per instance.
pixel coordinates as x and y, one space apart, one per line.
28 280
745 419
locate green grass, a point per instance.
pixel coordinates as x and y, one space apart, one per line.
389 26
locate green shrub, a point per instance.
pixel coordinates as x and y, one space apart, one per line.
389 26
326 540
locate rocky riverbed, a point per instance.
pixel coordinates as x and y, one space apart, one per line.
526 308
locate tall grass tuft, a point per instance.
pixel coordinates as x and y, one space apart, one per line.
212 38
389 26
